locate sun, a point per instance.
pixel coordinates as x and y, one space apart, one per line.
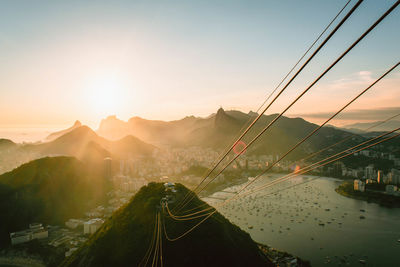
104 94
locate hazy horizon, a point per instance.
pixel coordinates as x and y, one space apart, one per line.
347 117
36 133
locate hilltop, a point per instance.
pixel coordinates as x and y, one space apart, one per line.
151 131
48 190
6 144
83 143
55 135
125 237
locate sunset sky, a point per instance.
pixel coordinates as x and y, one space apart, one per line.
68 60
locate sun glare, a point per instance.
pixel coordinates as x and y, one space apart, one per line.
104 94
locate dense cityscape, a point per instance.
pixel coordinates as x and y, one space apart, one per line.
183 165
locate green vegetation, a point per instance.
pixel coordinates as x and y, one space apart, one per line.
48 190
37 250
346 189
195 170
125 237
355 162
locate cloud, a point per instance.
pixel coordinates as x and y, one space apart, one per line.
352 81
379 103
358 114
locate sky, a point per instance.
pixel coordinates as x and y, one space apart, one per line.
63 61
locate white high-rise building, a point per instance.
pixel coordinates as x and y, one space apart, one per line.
35 231
90 227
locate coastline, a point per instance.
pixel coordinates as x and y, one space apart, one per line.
281 258
346 189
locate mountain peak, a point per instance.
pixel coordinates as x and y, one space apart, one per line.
221 111
220 114
55 135
222 119
112 118
78 133
252 113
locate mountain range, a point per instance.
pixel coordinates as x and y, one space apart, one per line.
83 143
139 137
361 127
220 129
